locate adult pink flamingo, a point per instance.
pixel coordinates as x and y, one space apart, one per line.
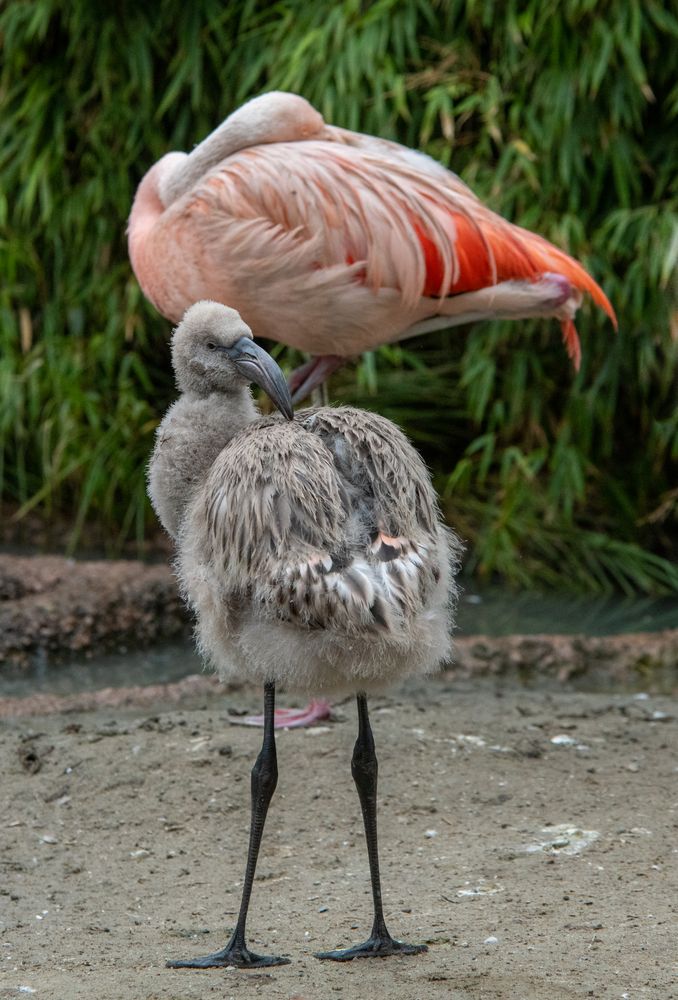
336 242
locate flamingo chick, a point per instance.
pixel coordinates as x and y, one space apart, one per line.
311 551
336 242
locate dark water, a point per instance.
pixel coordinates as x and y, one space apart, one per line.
493 611
156 665
490 612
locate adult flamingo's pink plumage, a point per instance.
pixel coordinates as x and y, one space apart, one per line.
336 242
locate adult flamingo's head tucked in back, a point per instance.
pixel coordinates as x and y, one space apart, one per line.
336 242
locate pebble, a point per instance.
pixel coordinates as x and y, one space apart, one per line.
563 740
491 940
661 717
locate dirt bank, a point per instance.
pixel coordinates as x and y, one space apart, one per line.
53 608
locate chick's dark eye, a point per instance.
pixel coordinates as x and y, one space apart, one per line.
211 346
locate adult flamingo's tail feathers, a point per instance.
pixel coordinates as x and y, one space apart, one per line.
571 341
539 279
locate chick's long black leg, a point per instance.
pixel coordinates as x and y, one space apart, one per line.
264 780
364 769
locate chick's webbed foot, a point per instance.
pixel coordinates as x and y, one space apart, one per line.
233 955
375 947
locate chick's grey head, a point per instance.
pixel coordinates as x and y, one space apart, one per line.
213 351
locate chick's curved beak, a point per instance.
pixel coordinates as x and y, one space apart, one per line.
257 366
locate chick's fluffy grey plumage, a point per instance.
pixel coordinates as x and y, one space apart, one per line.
312 551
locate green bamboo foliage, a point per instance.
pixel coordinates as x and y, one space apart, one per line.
563 117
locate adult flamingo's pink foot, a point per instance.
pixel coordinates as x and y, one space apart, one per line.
290 718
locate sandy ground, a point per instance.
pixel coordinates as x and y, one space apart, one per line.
529 837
